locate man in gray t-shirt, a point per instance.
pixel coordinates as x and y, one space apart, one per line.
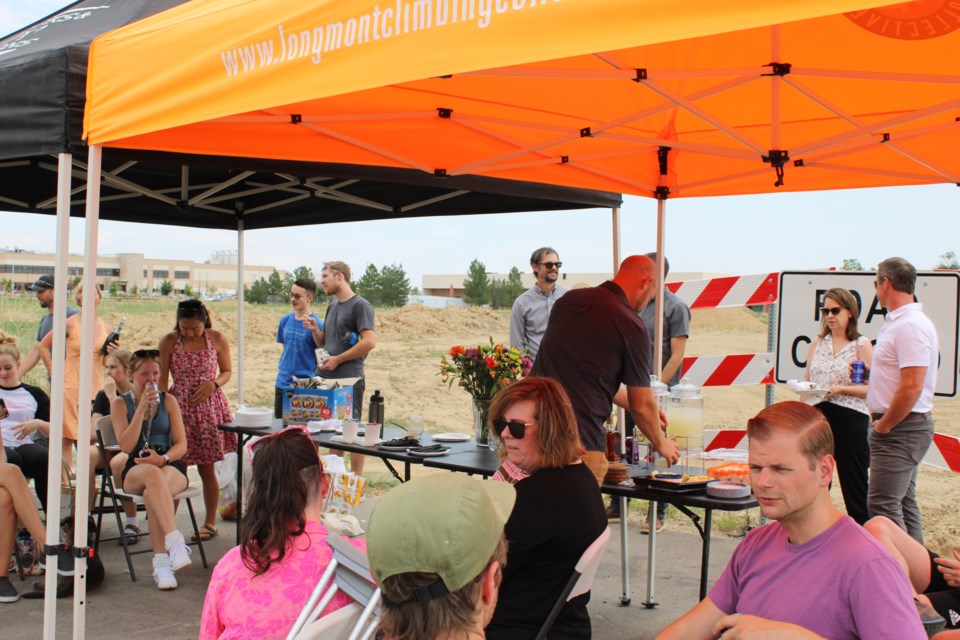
43 288
347 334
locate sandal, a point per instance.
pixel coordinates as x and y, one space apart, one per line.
132 533
207 532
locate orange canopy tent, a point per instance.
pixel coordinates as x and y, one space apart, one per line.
617 95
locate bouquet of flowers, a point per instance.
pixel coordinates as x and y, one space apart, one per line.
483 370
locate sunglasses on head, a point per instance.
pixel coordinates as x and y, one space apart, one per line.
517 428
826 311
551 265
146 353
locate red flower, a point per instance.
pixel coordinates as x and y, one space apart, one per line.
491 363
457 350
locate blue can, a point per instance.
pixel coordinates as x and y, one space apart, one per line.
858 372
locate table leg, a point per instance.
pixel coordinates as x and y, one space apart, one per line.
650 603
705 558
624 556
394 471
240 443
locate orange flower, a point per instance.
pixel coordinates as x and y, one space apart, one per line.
491 363
457 350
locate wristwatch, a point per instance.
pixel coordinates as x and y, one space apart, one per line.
166 459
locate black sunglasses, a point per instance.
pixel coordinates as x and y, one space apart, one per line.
551 265
516 427
146 353
826 311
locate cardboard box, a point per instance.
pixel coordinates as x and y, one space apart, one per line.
302 405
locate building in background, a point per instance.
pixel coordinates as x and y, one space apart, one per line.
133 272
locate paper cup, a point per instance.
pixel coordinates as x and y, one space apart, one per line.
372 435
350 430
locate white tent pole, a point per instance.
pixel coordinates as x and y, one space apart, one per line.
661 264
87 348
240 312
55 465
616 238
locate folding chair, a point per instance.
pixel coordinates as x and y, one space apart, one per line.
581 580
349 572
107 441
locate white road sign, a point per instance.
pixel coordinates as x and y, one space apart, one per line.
801 296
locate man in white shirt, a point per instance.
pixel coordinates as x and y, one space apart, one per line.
902 379
531 310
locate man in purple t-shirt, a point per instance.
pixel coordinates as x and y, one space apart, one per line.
814 573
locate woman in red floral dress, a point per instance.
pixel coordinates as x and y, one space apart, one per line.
192 353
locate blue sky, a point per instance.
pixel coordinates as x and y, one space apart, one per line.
736 235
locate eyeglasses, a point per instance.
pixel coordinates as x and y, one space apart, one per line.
146 353
329 266
254 446
827 311
517 428
551 265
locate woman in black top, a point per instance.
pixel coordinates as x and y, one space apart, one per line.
558 513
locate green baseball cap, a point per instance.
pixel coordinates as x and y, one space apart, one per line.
448 524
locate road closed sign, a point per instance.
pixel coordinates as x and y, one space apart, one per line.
801 297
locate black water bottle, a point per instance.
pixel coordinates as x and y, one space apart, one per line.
375 410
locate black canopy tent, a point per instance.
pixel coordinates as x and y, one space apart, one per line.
42 94
43 71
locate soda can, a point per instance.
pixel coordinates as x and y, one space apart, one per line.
628 454
858 372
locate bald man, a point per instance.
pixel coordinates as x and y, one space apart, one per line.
597 347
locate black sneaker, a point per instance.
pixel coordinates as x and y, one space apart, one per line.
65 561
8 592
64 589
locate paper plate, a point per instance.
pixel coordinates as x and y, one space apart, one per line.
429 454
728 489
450 437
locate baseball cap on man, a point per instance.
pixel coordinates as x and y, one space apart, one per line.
448 524
43 282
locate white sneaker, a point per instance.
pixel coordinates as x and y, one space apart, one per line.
163 572
180 556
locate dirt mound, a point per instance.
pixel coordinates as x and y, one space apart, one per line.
450 323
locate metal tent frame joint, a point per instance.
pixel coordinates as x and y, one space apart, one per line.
662 153
444 112
778 69
296 118
661 193
641 75
586 133
777 158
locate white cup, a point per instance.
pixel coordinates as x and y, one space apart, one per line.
350 429
372 434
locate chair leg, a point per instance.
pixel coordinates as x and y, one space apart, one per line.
16 556
196 532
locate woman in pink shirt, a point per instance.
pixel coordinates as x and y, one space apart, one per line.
259 587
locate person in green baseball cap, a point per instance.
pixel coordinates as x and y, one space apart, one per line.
436 547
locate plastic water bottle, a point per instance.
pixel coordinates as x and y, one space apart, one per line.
350 338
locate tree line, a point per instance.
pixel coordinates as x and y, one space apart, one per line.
387 286
479 288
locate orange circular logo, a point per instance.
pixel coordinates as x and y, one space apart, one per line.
916 20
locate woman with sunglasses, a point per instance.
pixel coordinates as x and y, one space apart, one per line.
150 431
193 353
558 513
828 366
259 587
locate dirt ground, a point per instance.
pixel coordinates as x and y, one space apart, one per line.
410 341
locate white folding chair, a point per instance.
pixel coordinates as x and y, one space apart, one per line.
581 580
107 441
349 572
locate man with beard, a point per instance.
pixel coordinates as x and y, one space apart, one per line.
531 310
43 287
347 334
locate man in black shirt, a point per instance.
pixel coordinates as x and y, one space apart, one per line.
595 342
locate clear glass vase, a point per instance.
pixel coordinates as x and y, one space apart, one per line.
481 427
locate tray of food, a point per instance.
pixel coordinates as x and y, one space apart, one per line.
676 479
